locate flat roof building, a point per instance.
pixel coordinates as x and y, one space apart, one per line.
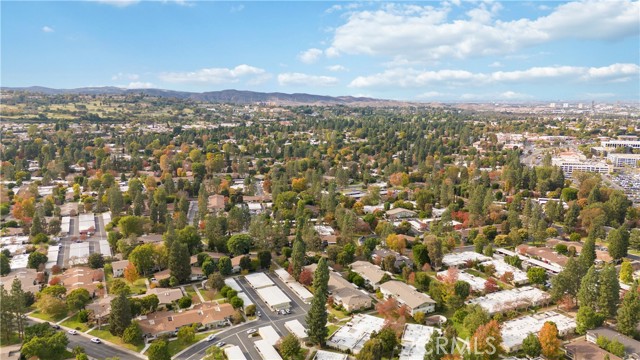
414 339
296 328
476 282
274 298
519 276
513 299
266 350
461 259
258 280
328 355
515 331
246 301
234 353
232 283
355 333
269 334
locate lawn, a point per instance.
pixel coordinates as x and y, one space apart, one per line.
176 346
74 323
45 317
337 313
106 335
138 286
332 329
192 294
207 295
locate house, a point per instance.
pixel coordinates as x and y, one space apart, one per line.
216 203
400 260
631 346
344 293
408 296
165 295
400 213
28 280
235 263
82 277
600 255
118 267
214 255
583 350
372 274
101 308
208 315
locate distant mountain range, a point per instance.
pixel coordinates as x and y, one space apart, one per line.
224 96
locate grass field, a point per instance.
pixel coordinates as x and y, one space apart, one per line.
332 329
106 335
45 317
176 346
337 313
74 323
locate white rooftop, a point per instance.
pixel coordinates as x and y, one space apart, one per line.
284 275
301 291
510 299
328 355
296 328
266 350
234 352
269 334
476 282
502 267
19 261
356 332
78 253
258 280
273 296
461 258
105 249
232 283
246 301
414 339
515 331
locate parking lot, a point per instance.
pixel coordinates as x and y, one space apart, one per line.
238 335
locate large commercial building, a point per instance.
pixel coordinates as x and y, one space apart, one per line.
624 160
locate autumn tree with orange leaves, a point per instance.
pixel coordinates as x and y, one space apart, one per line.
131 273
549 341
486 342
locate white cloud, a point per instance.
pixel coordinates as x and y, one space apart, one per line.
507 96
425 33
512 95
408 77
300 79
495 64
139 85
310 56
432 94
244 72
237 8
125 76
47 29
337 68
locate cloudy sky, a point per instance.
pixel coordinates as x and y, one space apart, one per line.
428 51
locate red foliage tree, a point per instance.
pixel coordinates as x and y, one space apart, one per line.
54 281
490 286
387 308
306 277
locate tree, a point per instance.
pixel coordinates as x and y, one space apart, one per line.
142 258
491 286
476 316
317 315
78 299
49 345
224 266
536 275
96 261
215 281
434 348
420 255
567 282
18 305
131 273
626 272
434 248
132 334
264 257
184 302
629 313
618 244
372 350
388 338
36 259
120 317
158 350
130 225
239 244
51 305
462 289
396 242
549 342
179 262
297 257
531 345
5 265
588 253
289 347
590 288
609 296
587 319
186 335
487 341
236 302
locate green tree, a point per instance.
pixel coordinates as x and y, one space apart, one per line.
476 316
159 350
317 315
536 275
420 255
618 244
372 350
36 259
264 257
567 282
132 334
531 345
290 347
587 319
78 299
239 244
629 313
190 237
179 262
96 261
50 346
5 265
434 347
142 258
626 272
186 335
389 340
590 289
609 296
116 201
130 225
588 253
224 266
297 257
120 317
51 305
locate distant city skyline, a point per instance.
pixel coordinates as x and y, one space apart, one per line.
414 51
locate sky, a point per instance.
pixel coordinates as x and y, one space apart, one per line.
450 50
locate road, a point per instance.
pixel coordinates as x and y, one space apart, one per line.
191 214
238 335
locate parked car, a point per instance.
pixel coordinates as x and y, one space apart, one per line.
73 332
210 337
221 344
55 326
95 340
252 331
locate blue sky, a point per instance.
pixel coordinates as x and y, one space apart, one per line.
420 51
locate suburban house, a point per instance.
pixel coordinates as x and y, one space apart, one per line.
101 307
28 279
407 295
82 277
344 293
168 322
215 203
400 213
214 255
401 260
372 274
631 346
165 295
118 267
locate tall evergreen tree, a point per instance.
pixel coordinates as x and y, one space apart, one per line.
629 313
120 317
317 316
609 296
179 262
297 257
618 243
589 288
588 253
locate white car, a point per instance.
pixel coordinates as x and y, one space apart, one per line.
95 340
210 337
221 344
251 331
73 332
